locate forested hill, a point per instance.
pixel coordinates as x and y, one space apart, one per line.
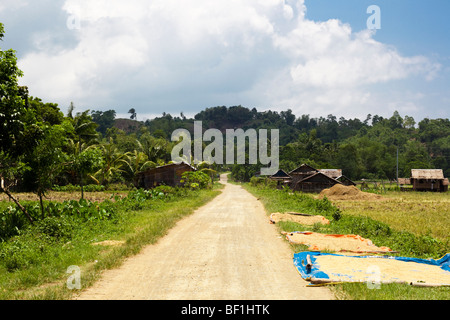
364 148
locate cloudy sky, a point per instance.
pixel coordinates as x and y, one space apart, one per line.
315 57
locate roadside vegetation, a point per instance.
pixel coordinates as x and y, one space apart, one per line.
93 236
351 217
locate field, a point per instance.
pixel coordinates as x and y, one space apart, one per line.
421 213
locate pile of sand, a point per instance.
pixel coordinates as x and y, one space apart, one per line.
341 192
301 218
335 242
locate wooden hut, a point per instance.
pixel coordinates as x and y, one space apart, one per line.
315 183
169 175
345 181
428 180
281 177
302 172
332 173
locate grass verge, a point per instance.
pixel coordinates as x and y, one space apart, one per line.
38 262
399 239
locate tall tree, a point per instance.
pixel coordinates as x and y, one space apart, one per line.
133 115
13 110
84 130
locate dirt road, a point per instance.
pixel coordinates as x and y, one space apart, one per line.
226 250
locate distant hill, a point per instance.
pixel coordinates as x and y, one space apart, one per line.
128 125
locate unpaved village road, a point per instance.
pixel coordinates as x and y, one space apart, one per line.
226 250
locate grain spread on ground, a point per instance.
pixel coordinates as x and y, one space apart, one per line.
300 218
114 243
334 242
341 268
341 192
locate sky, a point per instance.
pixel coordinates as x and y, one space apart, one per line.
315 57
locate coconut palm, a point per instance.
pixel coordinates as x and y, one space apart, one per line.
113 162
138 162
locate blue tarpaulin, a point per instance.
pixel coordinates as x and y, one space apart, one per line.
314 271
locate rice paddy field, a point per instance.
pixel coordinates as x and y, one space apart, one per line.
421 213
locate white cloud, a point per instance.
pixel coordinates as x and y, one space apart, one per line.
170 55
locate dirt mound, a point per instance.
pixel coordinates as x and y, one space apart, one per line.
341 192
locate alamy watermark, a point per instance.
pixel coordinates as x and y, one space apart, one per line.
254 152
374 278
374 21
74 280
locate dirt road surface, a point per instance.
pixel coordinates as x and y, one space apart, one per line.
226 250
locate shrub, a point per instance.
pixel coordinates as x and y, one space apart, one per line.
58 228
11 221
195 179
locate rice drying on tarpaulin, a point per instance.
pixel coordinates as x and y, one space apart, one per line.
334 242
328 268
301 218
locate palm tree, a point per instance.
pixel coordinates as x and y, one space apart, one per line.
132 111
138 162
84 131
113 159
155 148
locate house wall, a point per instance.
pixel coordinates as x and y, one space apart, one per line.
167 175
315 184
427 185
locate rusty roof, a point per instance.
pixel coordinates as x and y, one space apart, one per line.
332 173
427 174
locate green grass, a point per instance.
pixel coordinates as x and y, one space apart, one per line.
35 263
402 238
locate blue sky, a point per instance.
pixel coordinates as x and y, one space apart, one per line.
413 26
313 56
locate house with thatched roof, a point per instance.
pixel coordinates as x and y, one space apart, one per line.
428 180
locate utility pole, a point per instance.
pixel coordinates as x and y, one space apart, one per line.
397 167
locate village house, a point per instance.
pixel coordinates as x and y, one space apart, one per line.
308 179
282 178
169 175
428 180
337 175
302 172
315 183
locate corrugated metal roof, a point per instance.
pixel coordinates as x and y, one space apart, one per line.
332 173
427 174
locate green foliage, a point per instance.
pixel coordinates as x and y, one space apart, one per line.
263 181
104 120
12 221
196 179
12 100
